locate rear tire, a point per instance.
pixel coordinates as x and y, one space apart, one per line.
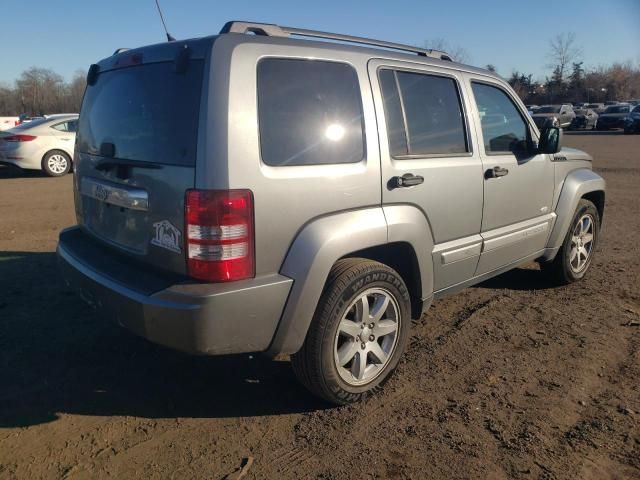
358 333
56 163
576 254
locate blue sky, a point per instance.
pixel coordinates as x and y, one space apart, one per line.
67 35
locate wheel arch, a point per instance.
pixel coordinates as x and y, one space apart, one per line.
402 257
385 234
579 184
597 198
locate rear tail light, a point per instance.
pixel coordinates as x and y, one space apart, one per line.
219 234
19 138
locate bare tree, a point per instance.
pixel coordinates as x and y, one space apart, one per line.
491 67
39 90
456 52
563 51
75 92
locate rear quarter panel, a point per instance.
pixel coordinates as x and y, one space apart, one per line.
286 198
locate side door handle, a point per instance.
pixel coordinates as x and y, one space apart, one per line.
496 172
406 180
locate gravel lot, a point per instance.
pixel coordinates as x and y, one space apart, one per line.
510 379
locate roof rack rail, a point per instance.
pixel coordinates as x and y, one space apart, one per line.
120 50
271 30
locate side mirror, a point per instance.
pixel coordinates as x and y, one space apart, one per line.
550 140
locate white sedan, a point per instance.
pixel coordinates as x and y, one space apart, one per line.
45 144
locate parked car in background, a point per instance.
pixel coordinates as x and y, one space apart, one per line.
8 122
632 122
554 115
611 102
613 117
585 119
531 109
44 144
181 235
596 107
23 118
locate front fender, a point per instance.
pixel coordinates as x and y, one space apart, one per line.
576 185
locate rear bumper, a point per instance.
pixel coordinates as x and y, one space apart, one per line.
20 156
211 319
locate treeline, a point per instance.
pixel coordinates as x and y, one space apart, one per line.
41 91
570 82
616 82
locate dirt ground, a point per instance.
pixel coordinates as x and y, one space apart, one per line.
510 379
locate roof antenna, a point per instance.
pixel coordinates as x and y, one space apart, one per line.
169 37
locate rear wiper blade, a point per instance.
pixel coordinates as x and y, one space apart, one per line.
116 162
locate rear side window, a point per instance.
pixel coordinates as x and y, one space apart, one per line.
503 128
70 126
148 113
309 113
423 113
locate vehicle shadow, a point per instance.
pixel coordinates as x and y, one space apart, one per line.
57 356
519 279
9 171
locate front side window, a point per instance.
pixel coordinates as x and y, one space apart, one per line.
309 113
423 114
503 128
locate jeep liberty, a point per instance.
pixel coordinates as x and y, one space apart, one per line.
287 191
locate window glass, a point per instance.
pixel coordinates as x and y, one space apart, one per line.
393 114
549 109
63 127
309 113
503 128
146 113
72 126
433 112
31 124
617 109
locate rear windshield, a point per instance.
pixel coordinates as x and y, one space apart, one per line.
31 123
146 113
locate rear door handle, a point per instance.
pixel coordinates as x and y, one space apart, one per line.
496 172
406 180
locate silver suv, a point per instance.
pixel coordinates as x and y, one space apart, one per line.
266 193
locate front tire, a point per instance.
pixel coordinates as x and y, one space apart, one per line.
56 163
576 254
358 333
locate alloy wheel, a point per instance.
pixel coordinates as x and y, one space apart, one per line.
582 243
367 336
57 163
